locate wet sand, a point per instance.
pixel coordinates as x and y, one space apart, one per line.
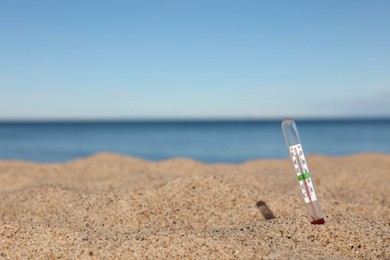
112 206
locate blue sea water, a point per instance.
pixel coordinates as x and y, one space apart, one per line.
207 141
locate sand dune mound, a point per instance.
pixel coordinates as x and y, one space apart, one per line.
110 205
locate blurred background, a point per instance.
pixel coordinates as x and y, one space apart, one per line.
208 80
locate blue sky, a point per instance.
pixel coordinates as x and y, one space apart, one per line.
68 59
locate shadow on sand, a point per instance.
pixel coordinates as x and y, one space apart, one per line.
265 210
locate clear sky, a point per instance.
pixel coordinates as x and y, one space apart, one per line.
67 59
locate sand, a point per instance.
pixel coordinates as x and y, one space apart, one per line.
112 206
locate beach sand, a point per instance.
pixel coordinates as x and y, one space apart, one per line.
112 206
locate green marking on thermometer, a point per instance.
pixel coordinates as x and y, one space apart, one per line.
304 176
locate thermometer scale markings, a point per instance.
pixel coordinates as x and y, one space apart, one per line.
303 173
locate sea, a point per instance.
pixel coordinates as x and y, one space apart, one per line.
211 141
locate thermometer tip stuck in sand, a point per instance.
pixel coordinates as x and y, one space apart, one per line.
294 145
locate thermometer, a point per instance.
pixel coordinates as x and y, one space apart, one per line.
301 167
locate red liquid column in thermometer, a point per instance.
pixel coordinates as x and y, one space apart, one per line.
293 141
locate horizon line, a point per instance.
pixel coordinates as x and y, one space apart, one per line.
188 119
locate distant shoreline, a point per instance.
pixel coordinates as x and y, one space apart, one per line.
129 157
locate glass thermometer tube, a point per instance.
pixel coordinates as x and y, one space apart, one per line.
294 145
